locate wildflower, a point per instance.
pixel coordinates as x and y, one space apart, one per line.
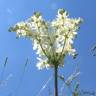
52 40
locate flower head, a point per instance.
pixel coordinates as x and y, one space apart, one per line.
52 40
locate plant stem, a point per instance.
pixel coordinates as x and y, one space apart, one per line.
55 80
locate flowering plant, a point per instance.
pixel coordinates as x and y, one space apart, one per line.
52 40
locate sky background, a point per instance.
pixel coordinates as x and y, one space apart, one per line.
30 80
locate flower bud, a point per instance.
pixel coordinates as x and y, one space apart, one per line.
37 14
61 11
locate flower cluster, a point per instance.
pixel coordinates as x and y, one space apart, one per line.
51 40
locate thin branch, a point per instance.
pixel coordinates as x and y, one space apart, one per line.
45 85
21 78
5 63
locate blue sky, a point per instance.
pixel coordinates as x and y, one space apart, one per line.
13 11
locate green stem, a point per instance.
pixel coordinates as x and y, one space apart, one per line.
55 80
63 46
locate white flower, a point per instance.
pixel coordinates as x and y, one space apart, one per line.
51 40
42 63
